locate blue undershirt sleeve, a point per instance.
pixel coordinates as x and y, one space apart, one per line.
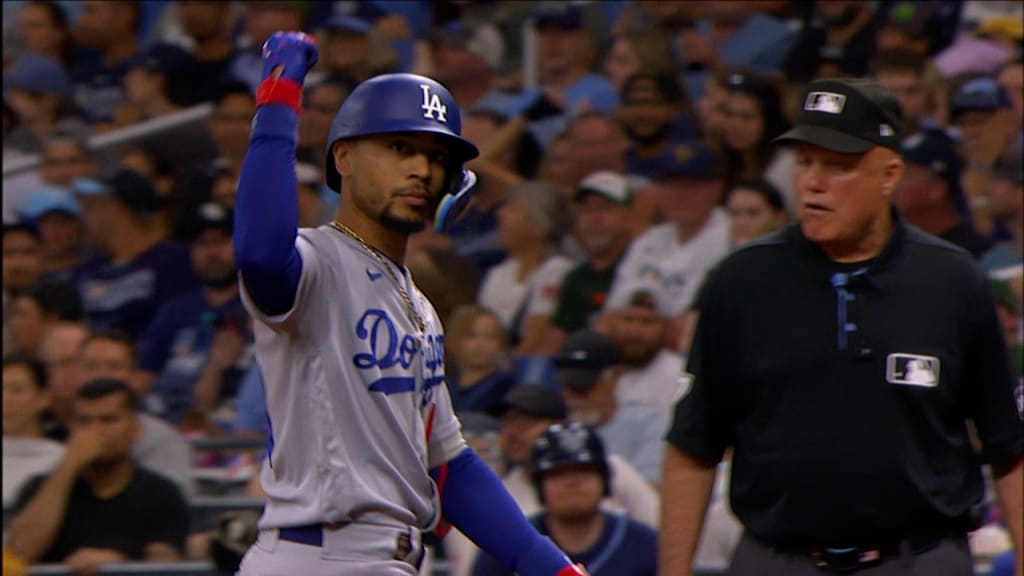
476 502
267 212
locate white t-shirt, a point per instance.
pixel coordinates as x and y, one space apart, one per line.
24 458
676 271
502 292
656 386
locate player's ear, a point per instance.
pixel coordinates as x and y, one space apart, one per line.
342 151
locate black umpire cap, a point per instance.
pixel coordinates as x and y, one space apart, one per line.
849 116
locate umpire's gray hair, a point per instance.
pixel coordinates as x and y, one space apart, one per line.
546 207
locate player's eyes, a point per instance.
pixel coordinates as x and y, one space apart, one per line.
400 147
439 157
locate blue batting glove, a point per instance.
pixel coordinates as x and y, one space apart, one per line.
295 51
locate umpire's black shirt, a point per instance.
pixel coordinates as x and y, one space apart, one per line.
853 437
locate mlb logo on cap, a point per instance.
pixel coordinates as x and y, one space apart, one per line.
829 102
847 115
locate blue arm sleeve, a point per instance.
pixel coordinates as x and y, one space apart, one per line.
267 211
476 502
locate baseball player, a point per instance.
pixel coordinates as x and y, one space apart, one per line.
365 452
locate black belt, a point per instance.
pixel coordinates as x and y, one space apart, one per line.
313 535
849 558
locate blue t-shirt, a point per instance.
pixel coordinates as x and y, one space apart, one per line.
486 396
127 296
625 548
176 346
98 88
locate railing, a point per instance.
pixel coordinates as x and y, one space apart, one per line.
120 136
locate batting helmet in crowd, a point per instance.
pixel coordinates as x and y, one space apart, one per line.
405 103
563 444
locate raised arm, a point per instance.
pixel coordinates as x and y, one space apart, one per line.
266 208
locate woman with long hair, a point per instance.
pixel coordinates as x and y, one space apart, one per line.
752 116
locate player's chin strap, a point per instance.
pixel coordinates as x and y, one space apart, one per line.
453 204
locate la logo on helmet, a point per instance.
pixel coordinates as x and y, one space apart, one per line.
432 104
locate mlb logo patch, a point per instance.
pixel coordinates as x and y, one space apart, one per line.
828 102
912 370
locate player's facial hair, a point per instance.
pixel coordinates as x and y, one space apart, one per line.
406 226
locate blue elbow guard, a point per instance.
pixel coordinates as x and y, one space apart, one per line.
476 502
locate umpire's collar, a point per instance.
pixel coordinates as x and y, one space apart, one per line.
817 259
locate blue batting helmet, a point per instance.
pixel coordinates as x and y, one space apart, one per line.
400 103
571 443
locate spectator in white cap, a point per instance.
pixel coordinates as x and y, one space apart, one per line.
602 208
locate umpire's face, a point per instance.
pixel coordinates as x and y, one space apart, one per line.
844 198
393 179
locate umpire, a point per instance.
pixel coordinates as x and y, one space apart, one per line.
841 359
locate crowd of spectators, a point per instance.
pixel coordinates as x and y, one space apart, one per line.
625 149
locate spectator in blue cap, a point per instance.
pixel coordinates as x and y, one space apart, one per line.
981 112
38 89
975 104
57 216
352 52
673 257
930 195
565 54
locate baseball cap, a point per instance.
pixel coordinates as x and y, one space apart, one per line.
209 216
1010 166
983 93
687 159
583 356
936 152
611 185
128 186
560 15
849 116
482 40
348 23
478 423
535 400
172 61
307 174
21 225
41 74
51 199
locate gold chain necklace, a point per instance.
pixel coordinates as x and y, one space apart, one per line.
414 314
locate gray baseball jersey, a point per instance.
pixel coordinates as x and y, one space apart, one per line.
355 392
